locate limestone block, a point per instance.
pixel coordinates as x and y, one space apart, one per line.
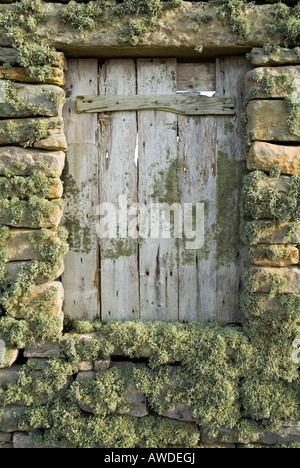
85 366
42 349
84 375
55 141
24 161
25 440
21 248
272 232
10 417
8 376
101 364
256 87
290 277
52 220
27 100
54 290
282 57
264 156
57 76
267 121
5 437
11 55
13 269
8 357
285 435
288 255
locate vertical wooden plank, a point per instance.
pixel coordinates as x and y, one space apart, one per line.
118 176
198 184
81 277
196 76
231 166
158 182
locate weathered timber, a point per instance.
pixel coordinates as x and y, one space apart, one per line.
21 75
267 121
196 76
177 104
20 161
264 156
282 57
28 100
176 34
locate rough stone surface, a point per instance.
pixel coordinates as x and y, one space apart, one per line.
21 75
285 435
8 376
290 275
284 56
231 438
13 269
43 349
5 437
55 141
83 375
25 440
20 247
37 100
85 366
256 90
50 163
290 256
281 185
24 130
51 221
176 33
9 358
264 156
101 364
267 121
54 307
11 55
10 416
271 232
181 413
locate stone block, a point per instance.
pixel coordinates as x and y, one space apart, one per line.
21 75
267 121
286 255
21 248
43 349
8 357
101 364
13 269
51 293
289 276
5 437
52 220
282 57
256 82
85 366
10 417
24 161
25 440
28 100
8 376
264 156
272 232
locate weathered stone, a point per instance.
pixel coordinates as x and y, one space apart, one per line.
5 437
264 156
181 413
53 220
230 435
24 132
85 366
21 248
13 269
267 121
285 435
256 87
54 290
7 445
11 55
101 364
55 189
55 141
84 375
24 161
21 75
282 57
25 440
143 352
290 277
10 417
8 376
271 232
38 362
286 255
177 33
43 349
9 358
217 446
27 100
280 184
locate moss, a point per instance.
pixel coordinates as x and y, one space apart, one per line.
286 23
23 187
166 185
20 333
234 11
272 252
248 431
13 98
38 131
117 248
268 201
293 104
33 211
271 82
11 130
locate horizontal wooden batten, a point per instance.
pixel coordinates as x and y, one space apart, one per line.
177 104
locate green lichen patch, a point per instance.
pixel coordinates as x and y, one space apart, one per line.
33 212
25 187
234 11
